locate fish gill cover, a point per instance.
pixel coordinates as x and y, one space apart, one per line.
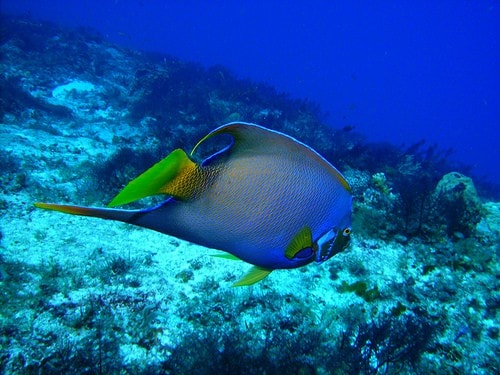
414 293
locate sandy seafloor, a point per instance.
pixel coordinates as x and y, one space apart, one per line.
83 295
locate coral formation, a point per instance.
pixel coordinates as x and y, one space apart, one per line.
458 204
414 293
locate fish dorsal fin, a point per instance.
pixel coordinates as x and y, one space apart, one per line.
254 139
302 240
253 276
176 175
247 137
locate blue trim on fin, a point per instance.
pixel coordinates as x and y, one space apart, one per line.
215 157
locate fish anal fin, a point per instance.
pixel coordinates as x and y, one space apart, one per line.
226 256
253 276
176 175
302 240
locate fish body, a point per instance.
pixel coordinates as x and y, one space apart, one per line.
267 199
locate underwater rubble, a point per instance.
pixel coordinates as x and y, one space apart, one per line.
416 291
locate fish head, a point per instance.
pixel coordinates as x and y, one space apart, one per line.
332 242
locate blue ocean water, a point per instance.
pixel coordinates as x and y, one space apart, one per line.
80 117
396 71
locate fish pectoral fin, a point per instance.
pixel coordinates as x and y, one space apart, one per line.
300 242
176 175
253 276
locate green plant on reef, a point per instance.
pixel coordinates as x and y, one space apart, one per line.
185 275
380 183
427 268
293 344
360 288
399 309
385 346
118 265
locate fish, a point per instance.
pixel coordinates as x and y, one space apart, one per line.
265 198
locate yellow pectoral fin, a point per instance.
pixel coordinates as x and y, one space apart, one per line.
176 175
302 240
253 276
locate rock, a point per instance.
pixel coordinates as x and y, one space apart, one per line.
458 203
61 92
489 226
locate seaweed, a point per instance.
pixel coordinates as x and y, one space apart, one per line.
360 288
96 354
384 346
187 98
173 95
119 266
419 170
391 343
399 309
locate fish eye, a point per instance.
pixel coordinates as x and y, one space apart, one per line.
346 231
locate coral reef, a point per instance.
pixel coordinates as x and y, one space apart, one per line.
414 293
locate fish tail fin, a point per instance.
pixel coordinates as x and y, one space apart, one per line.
176 175
103 213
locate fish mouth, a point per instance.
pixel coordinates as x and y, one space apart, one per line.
331 243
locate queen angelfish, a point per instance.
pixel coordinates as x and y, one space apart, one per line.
266 199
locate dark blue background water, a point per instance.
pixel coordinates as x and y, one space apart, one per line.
399 71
